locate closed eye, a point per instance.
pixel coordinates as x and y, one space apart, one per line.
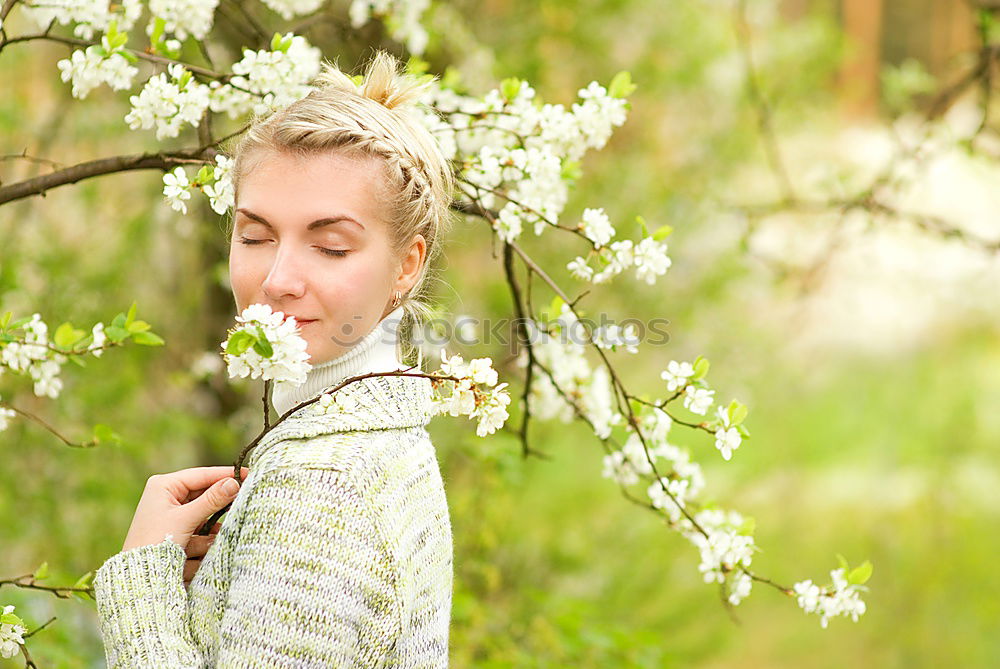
336 253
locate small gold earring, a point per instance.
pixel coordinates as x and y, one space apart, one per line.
397 299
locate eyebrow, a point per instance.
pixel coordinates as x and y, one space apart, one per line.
319 223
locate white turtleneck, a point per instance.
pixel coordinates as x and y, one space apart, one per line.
376 352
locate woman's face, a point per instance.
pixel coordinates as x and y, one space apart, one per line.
309 239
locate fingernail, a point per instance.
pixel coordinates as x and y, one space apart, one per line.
231 487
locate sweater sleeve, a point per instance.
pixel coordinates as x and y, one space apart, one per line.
313 584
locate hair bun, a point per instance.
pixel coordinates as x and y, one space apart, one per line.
382 81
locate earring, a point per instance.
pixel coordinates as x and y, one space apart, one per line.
397 299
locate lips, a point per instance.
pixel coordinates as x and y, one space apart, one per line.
300 321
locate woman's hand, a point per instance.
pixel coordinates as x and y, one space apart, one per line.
178 503
196 549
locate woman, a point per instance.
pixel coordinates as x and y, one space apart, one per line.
337 549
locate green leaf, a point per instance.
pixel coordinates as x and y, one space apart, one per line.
119 321
66 335
116 333
77 360
621 85
138 326
842 562
159 25
570 170
510 87
147 339
737 412
358 79
276 41
262 345
662 232
700 368
104 434
205 175
85 580
239 342
129 56
10 619
742 429
41 572
5 320
642 225
860 574
19 322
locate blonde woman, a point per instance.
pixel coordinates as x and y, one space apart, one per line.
337 549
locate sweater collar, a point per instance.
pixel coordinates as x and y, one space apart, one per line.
376 352
373 403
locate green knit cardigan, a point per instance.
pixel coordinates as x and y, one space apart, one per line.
337 552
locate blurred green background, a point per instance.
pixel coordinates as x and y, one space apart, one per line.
873 385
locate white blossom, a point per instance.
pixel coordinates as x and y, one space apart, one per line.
220 193
99 340
167 102
613 336
842 598
508 222
5 416
90 16
651 260
88 69
11 634
597 227
579 268
727 440
482 371
740 585
289 9
289 360
183 17
402 15
677 374
698 400
177 189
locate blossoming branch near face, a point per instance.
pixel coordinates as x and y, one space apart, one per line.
309 239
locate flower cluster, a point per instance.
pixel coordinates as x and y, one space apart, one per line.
183 17
90 16
687 379
843 598
614 336
266 80
12 631
105 64
402 18
266 344
5 416
214 181
573 377
34 357
167 102
467 396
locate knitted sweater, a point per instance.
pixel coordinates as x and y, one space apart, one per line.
336 552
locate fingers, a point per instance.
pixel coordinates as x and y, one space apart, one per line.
202 478
198 545
190 568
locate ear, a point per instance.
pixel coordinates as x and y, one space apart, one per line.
411 264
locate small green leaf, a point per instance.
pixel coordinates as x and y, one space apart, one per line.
159 25
275 41
860 574
85 580
104 434
5 320
138 326
41 572
66 335
570 170
262 345
842 561
737 412
239 342
642 225
205 175
119 321
129 56
77 360
116 333
510 87
621 85
662 232
744 432
147 339
358 79
700 368
10 619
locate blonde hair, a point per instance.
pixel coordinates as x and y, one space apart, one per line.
375 118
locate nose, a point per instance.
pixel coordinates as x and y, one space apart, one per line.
285 278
